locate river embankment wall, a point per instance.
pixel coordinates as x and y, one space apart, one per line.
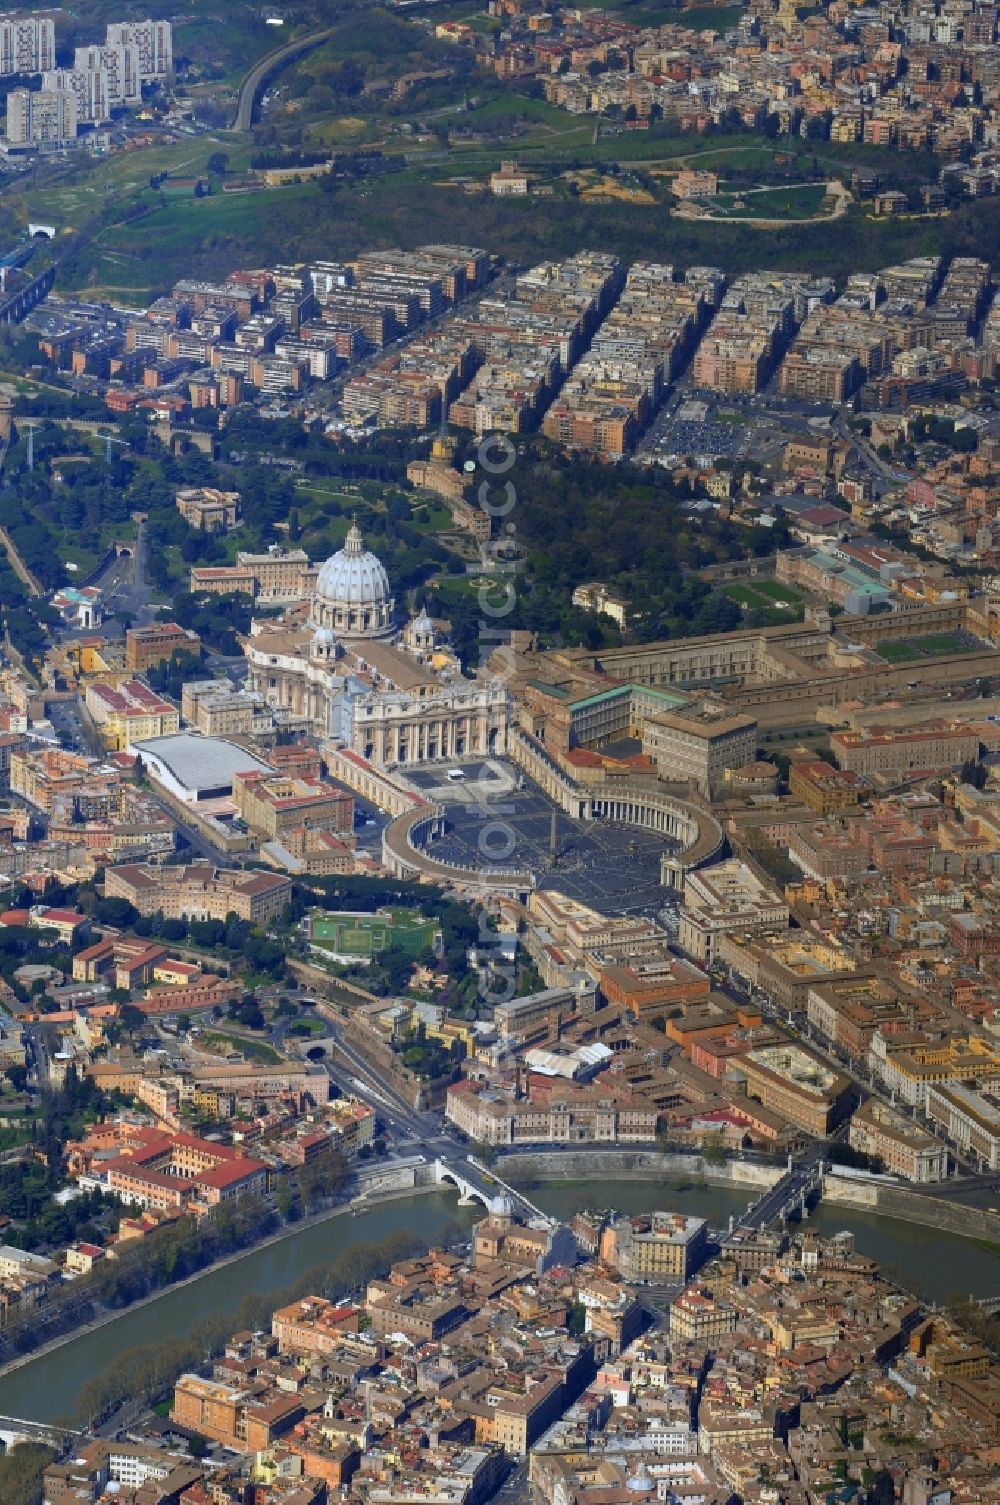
912 1207
594 1164
641 1165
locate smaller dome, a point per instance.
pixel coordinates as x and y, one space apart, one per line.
423 621
324 635
641 1482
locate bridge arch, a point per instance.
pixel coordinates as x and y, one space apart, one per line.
467 1192
470 1188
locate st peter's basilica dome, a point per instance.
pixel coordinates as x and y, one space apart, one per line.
353 595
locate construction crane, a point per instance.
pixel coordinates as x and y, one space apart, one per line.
110 439
31 444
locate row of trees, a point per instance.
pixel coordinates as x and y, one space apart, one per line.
175 1251
21 1470
140 1375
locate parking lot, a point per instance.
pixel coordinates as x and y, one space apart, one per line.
496 817
707 439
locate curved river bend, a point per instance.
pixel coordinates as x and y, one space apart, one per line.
932 1264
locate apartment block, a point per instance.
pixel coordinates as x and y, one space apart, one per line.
552 1112
274 806
915 1066
933 745
655 1248
130 712
796 1084
699 742
162 1171
120 66
523 1021
970 1117
729 896
46 118
27 45
232 1413
208 509
90 87
219 709
823 788
153 41
697 1315
754 322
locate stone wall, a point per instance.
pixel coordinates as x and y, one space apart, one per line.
320 981
912 1207
638 1165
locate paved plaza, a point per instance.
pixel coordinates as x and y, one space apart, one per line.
495 815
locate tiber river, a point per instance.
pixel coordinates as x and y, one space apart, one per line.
934 1265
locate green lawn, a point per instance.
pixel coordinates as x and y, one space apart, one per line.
254 1050
777 591
457 587
84 187
146 256
763 596
307 1027
658 13
510 102
772 203
84 559
896 653
909 649
438 517
364 936
758 594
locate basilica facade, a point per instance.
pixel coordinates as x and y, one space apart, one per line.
337 665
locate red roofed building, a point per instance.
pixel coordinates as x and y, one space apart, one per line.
313 1326
125 962
161 1171
68 924
81 1258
